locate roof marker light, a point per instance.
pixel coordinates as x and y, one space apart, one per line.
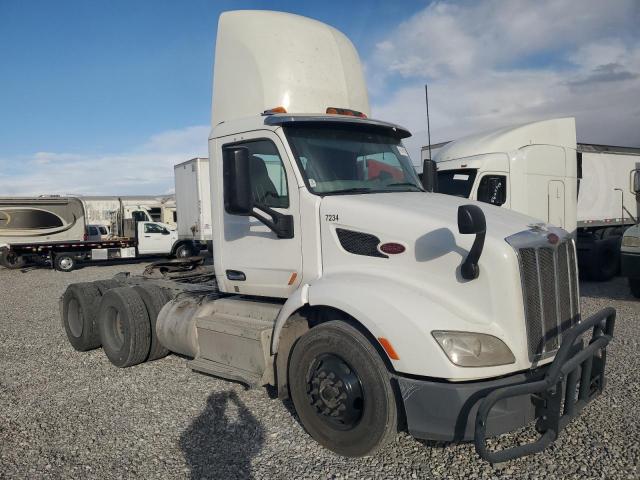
345 111
271 111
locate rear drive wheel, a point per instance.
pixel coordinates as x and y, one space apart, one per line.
12 260
341 390
124 327
605 259
79 309
184 251
64 262
634 286
154 299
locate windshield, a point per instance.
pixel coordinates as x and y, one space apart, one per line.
340 160
457 182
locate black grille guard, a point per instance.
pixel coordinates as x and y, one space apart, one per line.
575 369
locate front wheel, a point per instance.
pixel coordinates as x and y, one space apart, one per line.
341 390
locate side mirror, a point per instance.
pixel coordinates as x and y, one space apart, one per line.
635 182
237 181
471 221
430 175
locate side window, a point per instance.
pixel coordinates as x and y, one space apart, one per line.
139 216
93 231
153 228
268 176
493 189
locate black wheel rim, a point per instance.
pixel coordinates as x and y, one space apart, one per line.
335 392
75 318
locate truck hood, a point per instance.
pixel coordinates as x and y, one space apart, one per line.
428 269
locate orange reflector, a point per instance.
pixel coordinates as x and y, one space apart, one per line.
271 111
388 348
293 277
345 111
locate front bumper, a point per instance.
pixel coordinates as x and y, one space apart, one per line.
630 264
477 410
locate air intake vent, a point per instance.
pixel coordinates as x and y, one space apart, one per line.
359 243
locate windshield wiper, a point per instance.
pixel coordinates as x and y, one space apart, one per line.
349 190
404 184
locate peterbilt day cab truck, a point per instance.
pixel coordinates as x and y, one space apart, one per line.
67 230
540 170
337 279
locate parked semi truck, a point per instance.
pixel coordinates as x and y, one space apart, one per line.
630 248
369 302
193 201
538 169
68 230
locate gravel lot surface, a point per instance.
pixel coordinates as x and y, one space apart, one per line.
74 415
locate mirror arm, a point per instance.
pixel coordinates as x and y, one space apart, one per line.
281 225
469 268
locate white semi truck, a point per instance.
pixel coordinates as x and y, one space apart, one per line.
193 201
67 230
371 303
540 170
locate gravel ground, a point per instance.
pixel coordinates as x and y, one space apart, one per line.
69 414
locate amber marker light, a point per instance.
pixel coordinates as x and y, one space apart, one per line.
386 344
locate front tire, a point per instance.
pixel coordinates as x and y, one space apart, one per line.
634 286
64 262
342 391
184 251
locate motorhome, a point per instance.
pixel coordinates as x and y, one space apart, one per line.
338 280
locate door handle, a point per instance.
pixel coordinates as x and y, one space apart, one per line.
236 276
147 236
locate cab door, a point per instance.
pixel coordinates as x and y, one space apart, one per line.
153 238
254 260
556 203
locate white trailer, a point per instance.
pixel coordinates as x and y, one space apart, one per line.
369 302
540 170
193 200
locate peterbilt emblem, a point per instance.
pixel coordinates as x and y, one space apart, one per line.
538 227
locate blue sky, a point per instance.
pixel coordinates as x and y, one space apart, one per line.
103 97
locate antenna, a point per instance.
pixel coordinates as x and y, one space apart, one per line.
426 96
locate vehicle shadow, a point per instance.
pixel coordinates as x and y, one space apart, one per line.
223 439
615 289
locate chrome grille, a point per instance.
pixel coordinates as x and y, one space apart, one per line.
550 293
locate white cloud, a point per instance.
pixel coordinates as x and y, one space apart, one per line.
146 169
496 63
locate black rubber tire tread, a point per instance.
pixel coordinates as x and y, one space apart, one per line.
634 286
135 327
184 246
154 299
88 298
19 262
379 423
58 258
105 285
605 260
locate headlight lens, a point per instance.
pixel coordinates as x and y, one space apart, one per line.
467 349
630 241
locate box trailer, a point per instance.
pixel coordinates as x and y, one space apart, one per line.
338 280
539 169
193 200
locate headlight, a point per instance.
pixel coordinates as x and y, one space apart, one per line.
631 241
467 349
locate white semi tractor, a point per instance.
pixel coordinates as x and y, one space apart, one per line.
540 170
371 303
68 230
193 201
